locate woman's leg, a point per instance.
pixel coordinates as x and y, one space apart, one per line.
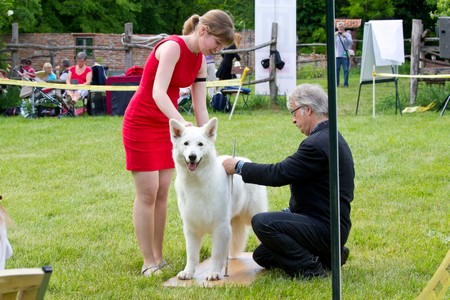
146 186
165 177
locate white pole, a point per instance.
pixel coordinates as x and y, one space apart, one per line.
373 91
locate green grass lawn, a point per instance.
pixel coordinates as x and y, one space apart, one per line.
65 187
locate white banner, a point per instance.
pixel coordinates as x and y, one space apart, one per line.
282 12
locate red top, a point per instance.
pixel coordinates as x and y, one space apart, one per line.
145 132
80 78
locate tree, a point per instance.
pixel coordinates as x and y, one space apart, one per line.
91 16
442 8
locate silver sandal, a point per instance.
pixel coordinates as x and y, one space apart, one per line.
150 271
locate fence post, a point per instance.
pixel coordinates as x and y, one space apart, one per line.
127 40
273 71
417 29
15 40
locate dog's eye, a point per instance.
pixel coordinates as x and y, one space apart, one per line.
200 144
186 143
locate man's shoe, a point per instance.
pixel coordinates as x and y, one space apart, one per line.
344 255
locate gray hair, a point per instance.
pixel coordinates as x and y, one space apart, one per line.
311 95
65 62
81 55
340 24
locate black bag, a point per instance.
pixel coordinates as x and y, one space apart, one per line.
96 105
220 102
12 111
279 64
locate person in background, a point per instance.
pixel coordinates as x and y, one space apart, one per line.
343 41
80 73
3 74
25 66
211 69
63 70
175 62
48 72
224 70
298 239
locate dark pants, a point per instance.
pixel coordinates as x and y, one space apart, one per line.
345 63
293 242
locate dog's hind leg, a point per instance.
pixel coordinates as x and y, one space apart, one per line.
219 252
193 244
239 236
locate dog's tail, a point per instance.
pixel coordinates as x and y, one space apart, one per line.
239 235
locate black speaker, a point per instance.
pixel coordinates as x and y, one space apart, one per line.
444 37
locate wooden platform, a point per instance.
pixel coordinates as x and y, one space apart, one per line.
242 271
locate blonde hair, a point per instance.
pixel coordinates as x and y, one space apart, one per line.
47 65
217 23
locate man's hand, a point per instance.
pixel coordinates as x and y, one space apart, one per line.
229 165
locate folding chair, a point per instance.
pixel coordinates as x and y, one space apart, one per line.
245 92
185 101
25 284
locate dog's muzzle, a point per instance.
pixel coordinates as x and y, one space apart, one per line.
192 163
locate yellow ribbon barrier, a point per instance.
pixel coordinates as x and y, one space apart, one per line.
410 76
102 88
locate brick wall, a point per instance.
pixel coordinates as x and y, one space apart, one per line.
114 60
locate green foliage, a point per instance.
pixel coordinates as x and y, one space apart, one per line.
311 72
10 97
310 18
370 10
442 9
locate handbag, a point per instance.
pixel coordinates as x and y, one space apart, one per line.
349 52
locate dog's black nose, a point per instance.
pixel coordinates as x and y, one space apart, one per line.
192 157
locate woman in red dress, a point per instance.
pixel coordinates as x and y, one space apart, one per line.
80 73
175 62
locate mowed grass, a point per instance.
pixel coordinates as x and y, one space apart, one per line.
65 187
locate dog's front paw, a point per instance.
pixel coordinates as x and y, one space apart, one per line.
183 275
213 276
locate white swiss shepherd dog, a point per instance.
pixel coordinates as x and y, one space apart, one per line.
204 202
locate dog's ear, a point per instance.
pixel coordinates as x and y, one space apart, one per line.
176 128
210 128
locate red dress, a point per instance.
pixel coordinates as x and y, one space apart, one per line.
145 129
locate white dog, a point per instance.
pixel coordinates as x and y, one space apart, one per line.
204 200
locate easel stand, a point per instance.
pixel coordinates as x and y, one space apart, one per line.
397 98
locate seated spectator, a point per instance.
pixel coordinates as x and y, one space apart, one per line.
63 71
25 66
80 73
48 72
3 74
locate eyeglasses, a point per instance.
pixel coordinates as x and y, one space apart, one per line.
293 111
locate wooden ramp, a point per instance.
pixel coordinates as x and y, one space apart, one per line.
242 271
